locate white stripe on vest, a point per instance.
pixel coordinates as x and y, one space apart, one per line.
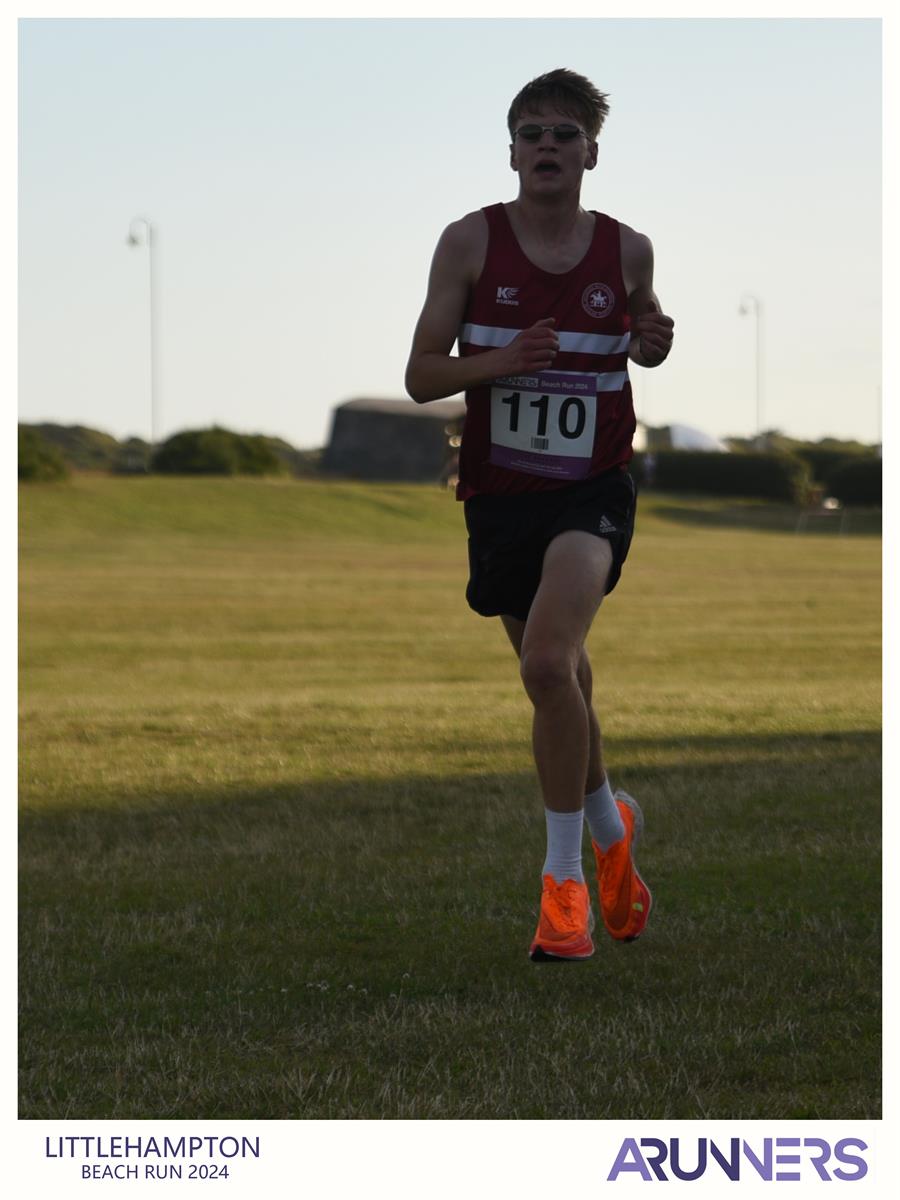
571 343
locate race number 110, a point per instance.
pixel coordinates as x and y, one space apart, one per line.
570 416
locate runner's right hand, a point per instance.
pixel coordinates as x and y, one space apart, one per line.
534 349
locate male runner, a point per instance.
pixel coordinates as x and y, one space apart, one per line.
548 302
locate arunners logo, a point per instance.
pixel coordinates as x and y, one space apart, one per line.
507 295
597 300
779 1159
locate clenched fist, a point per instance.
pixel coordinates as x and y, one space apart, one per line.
654 332
534 349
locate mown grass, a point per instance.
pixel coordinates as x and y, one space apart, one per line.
281 836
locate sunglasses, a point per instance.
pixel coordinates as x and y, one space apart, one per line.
561 133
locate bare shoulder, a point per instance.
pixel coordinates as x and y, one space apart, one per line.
637 249
637 260
464 244
470 230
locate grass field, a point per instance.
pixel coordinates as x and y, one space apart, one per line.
281 836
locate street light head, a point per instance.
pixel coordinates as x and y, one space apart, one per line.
140 232
749 304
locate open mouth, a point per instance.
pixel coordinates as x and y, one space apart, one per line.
547 169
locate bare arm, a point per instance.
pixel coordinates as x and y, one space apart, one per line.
651 330
432 372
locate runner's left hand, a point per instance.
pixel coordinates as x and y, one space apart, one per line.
655 332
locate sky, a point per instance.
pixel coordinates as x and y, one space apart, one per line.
298 174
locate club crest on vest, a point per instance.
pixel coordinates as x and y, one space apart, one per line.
597 300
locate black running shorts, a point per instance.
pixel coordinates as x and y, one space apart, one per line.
508 536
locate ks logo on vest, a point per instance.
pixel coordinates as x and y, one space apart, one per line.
507 295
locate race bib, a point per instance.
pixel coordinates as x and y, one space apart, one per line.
544 423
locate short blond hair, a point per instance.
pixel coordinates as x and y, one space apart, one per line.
565 91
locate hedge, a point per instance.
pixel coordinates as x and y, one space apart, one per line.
824 461
768 476
857 482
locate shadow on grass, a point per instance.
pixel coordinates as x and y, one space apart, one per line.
776 518
357 948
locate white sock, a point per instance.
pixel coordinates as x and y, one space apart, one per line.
563 859
603 817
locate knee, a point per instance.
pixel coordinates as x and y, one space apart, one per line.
546 670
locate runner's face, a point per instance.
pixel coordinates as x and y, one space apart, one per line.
548 166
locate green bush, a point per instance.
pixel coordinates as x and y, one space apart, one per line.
769 476
82 448
216 452
197 452
256 456
38 460
825 460
857 482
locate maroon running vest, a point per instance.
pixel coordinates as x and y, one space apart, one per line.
551 428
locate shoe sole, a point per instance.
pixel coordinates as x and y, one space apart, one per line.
636 832
649 902
540 955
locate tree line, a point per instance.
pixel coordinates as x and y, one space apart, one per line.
786 470
49 451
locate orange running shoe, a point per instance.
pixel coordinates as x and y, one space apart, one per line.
625 899
564 929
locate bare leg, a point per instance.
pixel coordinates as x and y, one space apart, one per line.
576 567
596 772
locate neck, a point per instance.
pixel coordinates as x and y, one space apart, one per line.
551 216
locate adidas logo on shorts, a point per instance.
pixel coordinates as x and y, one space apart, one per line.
606 526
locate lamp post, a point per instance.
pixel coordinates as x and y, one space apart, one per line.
753 304
141 232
